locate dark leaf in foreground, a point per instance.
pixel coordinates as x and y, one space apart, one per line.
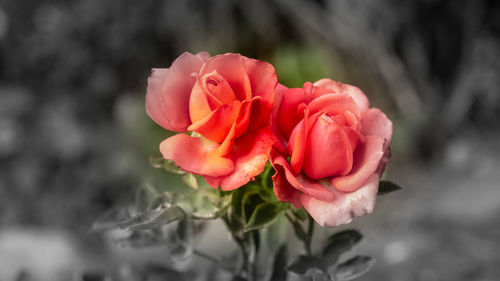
304 263
385 187
354 268
154 218
279 266
338 244
184 234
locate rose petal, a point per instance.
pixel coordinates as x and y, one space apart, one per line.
344 206
284 191
217 124
366 160
263 81
196 155
354 92
250 154
288 116
301 182
281 142
298 141
167 97
334 104
204 56
232 68
217 89
329 149
375 122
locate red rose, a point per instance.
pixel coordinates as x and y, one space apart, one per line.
227 99
331 150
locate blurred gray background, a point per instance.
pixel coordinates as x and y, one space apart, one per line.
75 139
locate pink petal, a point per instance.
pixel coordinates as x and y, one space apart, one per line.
329 150
167 97
375 122
366 160
344 206
334 104
196 155
284 191
250 154
302 182
354 92
203 56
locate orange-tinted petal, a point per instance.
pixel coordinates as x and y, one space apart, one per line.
217 124
232 68
196 155
250 154
167 97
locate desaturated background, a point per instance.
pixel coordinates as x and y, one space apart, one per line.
75 138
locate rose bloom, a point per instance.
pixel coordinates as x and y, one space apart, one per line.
331 150
227 100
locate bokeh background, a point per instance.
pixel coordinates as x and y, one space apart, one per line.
75 138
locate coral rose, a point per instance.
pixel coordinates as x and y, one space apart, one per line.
331 150
227 100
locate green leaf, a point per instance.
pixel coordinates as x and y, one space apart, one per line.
338 244
154 218
385 187
299 231
250 201
300 214
190 180
263 215
205 209
354 268
305 263
279 265
168 165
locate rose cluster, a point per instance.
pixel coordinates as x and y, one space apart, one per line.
327 146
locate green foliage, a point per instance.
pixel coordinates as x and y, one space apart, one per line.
385 187
253 207
263 215
168 165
